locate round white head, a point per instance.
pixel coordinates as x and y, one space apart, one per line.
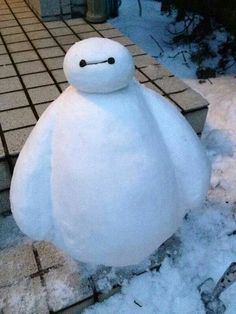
98 65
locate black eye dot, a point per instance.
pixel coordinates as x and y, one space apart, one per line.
82 63
111 60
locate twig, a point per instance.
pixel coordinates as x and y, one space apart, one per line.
140 8
153 38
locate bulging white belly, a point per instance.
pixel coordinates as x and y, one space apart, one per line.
116 201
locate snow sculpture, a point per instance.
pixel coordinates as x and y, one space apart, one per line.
111 167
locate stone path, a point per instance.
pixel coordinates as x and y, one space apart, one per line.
33 275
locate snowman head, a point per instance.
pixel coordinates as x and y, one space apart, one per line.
98 65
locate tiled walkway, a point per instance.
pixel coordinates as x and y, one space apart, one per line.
31 76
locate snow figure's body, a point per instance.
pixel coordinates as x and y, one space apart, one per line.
111 168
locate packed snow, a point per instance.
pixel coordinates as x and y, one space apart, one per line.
112 184
207 235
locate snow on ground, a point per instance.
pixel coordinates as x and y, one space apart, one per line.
207 247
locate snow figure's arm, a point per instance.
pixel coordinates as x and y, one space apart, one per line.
191 165
30 192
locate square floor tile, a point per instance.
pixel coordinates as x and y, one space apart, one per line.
54 24
8 23
59 76
17 47
76 21
15 38
16 264
38 34
11 30
102 26
17 118
171 85
51 52
30 67
61 31
25 56
37 79
44 43
125 41
64 86
41 108
6 17
89 35
33 27
111 33
82 28
21 15
4 11
7 71
43 94
28 21
16 139
2 49
10 84
5 59
54 63
13 100
68 39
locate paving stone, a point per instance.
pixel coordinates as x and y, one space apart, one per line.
111 33
102 26
43 94
171 85
33 27
16 139
189 100
5 178
75 21
44 43
66 287
30 67
89 35
15 38
17 118
26 14
37 79
54 63
49 255
61 31
38 34
68 39
20 9
2 153
82 28
8 23
25 297
10 84
66 47
135 50
153 87
156 71
4 11
59 76
11 30
50 52
13 100
143 61
54 24
7 71
25 56
5 59
64 86
28 21
197 119
3 49
22 46
6 17
41 108
4 203
16 263
140 77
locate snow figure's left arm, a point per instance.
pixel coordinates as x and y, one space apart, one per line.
30 192
192 168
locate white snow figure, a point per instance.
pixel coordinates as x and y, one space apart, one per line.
111 167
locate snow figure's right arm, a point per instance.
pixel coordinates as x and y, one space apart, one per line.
30 193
